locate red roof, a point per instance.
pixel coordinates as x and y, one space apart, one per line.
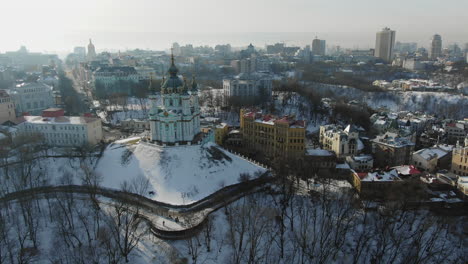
413 170
267 118
361 175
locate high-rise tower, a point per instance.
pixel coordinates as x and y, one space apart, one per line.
435 50
91 51
384 43
318 46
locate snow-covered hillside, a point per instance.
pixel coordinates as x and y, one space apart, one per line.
176 175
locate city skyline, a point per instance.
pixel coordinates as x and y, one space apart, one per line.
124 24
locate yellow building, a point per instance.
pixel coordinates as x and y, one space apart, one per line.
273 136
221 132
460 161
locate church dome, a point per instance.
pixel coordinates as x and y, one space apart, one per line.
173 81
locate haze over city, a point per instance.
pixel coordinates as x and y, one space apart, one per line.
55 25
233 132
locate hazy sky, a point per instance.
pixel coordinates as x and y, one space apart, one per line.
58 25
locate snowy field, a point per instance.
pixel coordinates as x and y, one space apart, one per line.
176 175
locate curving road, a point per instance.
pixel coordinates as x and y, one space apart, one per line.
166 221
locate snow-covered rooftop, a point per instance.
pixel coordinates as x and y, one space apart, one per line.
431 153
382 176
71 120
318 152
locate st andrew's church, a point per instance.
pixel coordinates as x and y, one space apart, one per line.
175 119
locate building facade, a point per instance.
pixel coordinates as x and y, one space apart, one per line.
177 119
457 131
32 97
272 136
361 162
384 44
391 150
7 107
59 130
344 142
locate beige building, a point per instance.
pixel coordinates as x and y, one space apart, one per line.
384 44
7 107
343 142
59 130
431 159
273 136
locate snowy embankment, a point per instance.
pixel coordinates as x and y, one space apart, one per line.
450 105
176 175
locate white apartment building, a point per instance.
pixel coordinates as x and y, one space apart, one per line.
384 44
248 85
32 97
7 107
59 130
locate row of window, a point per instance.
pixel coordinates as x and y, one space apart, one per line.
63 135
67 141
36 90
54 127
